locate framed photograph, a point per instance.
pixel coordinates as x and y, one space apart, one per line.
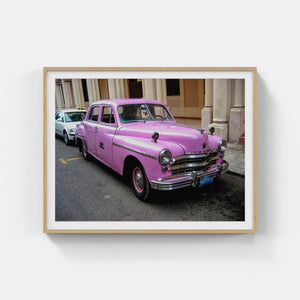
150 150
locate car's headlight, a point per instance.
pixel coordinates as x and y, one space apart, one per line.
222 145
72 130
165 156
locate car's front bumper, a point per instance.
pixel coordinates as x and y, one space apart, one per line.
179 181
72 136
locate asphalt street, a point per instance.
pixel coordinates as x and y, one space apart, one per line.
90 191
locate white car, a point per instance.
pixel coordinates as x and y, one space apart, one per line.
66 121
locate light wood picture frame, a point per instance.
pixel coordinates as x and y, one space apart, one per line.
114 82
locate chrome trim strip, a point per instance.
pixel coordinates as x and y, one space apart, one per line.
189 173
170 187
196 155
187 179
193 165
134 150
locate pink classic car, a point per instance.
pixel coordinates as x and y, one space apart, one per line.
140 139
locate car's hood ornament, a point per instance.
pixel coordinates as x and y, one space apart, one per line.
155 136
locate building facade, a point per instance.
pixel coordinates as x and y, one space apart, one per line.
197 102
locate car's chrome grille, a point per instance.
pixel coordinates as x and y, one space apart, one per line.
194 162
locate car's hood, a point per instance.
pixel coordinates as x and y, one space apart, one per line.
189 138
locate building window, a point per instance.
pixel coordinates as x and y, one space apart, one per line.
85 91
173 87
135 88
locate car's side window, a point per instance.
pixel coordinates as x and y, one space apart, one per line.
94 113
107 115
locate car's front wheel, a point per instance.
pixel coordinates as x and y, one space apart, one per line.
140 183
66 138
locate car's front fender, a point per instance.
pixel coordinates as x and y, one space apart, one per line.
146 151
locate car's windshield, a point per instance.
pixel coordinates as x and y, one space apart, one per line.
143 112
75 116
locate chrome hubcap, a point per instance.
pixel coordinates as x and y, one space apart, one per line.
138 179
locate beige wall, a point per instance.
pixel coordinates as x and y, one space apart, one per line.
224 108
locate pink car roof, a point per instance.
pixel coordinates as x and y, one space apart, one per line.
117 102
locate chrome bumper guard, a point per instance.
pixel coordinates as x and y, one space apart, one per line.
179 181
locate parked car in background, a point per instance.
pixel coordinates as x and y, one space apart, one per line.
141 140
66 121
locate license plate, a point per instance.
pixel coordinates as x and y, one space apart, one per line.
206 180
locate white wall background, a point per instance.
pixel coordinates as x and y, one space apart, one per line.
260 33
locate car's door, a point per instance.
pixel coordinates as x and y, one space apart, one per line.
59 122
104 135
91 126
